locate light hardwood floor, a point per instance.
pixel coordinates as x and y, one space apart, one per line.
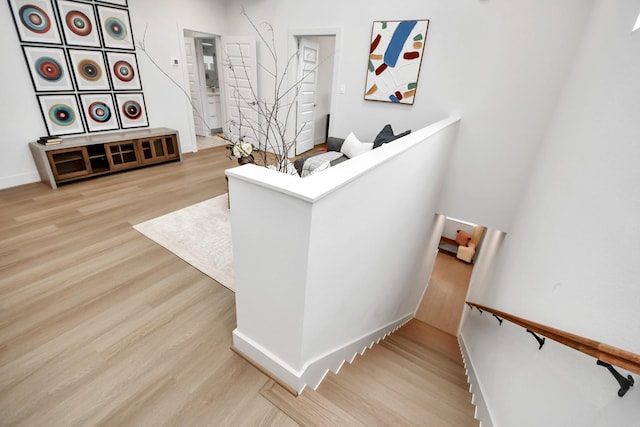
101 326
446 294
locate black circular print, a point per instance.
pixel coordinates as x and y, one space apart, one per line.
132 110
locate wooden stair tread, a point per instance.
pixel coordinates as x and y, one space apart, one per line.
402 381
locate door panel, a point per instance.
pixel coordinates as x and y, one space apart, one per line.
307 75
194 86
239 88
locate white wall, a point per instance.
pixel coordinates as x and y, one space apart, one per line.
499 64
327 265
164 20
451 227
561 265
479 62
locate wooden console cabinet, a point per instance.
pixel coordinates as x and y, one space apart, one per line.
87 156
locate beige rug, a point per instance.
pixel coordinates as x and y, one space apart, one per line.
199 234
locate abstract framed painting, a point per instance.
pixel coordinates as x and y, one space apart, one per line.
79 23
116 28
123 69
35 21
99 112
395 58
61 114
89 70
132 110
49 69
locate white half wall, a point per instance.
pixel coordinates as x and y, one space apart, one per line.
571 259
327 265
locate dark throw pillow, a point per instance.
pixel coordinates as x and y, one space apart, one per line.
386 135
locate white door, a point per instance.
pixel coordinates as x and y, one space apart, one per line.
239 89
308 76
194 86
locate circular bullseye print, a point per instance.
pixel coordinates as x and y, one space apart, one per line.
132 110
34 18
48 69
115 28
99 112
62 115
123 71
89 70
78 23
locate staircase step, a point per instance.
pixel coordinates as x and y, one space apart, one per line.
415 376
309 408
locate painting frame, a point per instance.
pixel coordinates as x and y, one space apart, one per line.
122 3
49 68
79 28
123 71
35 21
57 109
99 112
395 58
132 118
115 27
89 70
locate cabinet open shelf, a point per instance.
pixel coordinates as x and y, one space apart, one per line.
92 155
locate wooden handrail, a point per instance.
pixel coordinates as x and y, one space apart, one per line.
604 352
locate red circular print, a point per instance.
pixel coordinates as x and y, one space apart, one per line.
123 71
78 23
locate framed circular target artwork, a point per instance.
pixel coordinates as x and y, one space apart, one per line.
116 28
61 114
132 111
35 21
99 112
79 24
89 70
123 69
48 68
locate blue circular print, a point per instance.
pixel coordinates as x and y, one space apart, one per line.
34 18
62 115
115 28
99 112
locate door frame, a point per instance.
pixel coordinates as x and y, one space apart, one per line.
297 33
190 144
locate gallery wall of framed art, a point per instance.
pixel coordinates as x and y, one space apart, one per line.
81 57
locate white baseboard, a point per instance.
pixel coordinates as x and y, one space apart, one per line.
314 371
15 180
482 410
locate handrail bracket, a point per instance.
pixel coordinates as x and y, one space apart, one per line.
625 383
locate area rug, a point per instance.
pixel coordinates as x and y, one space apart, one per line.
200 234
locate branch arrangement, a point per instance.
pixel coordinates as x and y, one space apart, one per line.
271 131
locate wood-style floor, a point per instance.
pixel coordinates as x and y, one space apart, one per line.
446 294
101 326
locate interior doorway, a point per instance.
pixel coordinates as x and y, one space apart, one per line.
315 71
202 66
317 61
466 255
